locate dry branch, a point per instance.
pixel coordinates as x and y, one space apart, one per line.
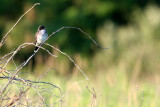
93 96
11 77
30 84
19 97
26 62
6 77
68 91
5 37
69 27
69 59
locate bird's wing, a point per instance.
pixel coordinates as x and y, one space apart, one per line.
36 34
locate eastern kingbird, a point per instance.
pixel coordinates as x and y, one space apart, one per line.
40 36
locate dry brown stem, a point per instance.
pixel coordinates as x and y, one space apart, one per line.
5 37
14 78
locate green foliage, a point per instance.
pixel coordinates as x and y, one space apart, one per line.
87 15
126 25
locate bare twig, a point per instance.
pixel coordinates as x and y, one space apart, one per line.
45 74
68 91
69 59
68 27
18 98
93 97
64 27
6 55
22 46
4 38
40 96
40 82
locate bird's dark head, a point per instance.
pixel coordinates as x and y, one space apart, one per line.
41 27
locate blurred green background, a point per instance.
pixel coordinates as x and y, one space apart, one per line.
127 74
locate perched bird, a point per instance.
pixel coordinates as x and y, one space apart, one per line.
40 36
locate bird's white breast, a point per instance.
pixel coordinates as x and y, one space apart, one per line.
42 36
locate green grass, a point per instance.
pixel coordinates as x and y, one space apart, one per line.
113 88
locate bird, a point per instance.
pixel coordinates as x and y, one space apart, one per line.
40 36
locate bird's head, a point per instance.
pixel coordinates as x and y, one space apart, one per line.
41 28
